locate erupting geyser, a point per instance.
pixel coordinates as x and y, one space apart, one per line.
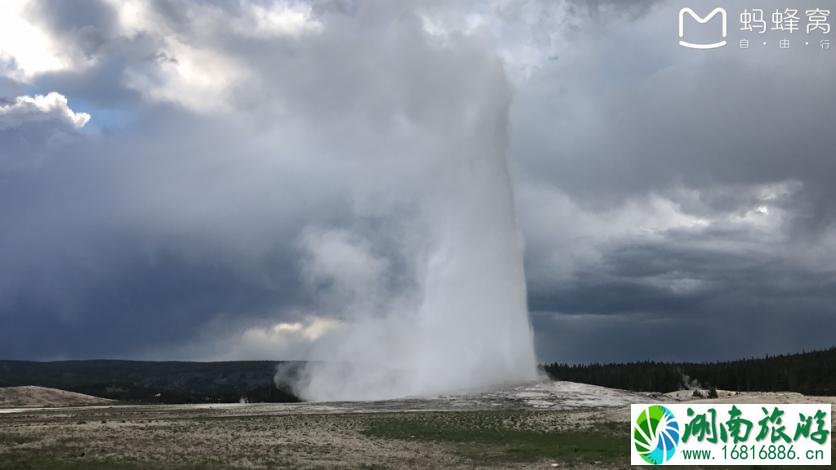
461 320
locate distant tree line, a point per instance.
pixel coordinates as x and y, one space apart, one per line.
157 382
810 373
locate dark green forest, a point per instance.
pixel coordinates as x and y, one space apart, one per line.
157 382
810 373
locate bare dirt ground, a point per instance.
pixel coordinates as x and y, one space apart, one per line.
30 396
549 425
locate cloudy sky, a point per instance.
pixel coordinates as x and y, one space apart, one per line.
199 179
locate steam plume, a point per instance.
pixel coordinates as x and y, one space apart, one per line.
458 319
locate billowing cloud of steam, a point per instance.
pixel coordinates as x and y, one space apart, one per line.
455 317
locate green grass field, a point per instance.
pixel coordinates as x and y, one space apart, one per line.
496 438
184 438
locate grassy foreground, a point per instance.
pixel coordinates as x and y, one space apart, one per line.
502 438
181 437
191 438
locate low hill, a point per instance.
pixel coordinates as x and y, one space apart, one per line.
810 373
30 396
155 382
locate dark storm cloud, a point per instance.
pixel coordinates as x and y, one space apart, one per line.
676 279
84 25
733 305
117 246
139 302
737 142
88 32
8 87
636 114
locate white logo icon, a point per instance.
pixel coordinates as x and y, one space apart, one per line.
701 20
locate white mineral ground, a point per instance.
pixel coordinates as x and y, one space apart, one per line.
609 403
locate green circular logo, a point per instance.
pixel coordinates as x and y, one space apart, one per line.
656 434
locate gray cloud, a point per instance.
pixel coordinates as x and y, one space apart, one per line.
84 26
677 205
